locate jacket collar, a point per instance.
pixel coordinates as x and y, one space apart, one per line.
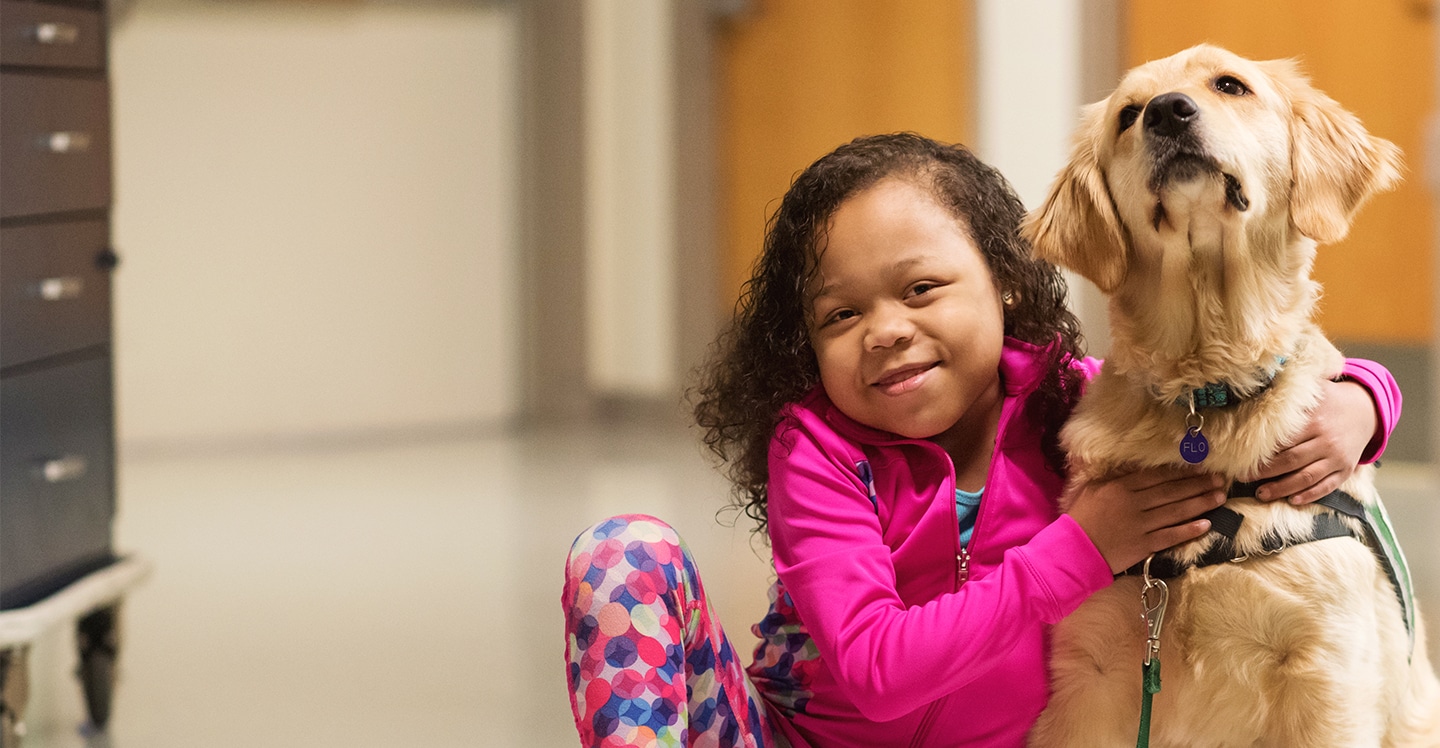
1022 367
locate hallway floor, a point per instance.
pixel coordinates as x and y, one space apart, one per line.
407 594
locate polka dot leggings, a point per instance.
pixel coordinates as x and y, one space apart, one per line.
648 662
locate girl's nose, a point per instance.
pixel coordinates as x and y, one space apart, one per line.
888 327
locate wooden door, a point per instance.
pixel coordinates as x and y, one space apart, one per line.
1378 60
799 77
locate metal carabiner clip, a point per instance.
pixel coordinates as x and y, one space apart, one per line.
1154 597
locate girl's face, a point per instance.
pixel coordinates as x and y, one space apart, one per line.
907 323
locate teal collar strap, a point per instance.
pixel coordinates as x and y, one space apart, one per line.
1220 394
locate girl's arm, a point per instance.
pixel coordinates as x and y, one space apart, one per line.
1349 427
1372 377
1385 398
889 657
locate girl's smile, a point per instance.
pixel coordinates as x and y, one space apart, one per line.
904 379
907 324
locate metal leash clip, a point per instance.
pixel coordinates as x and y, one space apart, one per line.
1154 596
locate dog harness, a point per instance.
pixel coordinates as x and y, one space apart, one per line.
1376 534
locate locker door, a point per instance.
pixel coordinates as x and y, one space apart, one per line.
798 77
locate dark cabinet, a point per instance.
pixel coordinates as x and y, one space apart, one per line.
57 474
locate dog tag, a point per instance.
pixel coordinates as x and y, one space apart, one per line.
1194 447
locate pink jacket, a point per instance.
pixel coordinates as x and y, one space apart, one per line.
871 639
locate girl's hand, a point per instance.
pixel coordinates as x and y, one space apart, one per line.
1132 516
1327 450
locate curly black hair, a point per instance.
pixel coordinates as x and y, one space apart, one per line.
764 361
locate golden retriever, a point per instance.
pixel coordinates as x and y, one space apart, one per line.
1194 198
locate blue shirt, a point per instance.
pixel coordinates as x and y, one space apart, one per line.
967 507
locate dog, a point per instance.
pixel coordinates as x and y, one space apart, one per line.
1194 198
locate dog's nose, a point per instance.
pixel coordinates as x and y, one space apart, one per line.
1169 114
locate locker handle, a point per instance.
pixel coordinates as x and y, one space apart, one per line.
60 288
62 469
66 142
56 33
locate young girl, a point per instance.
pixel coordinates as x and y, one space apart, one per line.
888 400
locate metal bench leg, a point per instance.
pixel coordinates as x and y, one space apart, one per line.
14 694
97 636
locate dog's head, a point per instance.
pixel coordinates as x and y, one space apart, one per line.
1200 150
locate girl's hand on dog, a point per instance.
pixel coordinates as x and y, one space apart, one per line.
1327 451
1132 516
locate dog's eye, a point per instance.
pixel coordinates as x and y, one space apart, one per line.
1231 86
1128 115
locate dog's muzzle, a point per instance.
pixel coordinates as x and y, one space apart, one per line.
1177 150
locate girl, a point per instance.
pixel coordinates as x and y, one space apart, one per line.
888 401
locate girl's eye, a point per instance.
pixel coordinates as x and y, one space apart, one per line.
923 288
1128 115
839 316
1231 86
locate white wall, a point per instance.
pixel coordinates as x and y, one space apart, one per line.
630 206
315 213
1030 84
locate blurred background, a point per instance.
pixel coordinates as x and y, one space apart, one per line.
410 292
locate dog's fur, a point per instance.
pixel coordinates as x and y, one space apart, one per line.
1204 244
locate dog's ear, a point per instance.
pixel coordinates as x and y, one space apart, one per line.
1336 165
1078 227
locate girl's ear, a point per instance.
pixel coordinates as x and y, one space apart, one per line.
1336 165
1078 227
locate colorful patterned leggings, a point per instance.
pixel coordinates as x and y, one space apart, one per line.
648 662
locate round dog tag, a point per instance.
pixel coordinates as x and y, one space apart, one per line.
1194 447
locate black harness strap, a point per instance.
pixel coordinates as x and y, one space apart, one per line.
1226 522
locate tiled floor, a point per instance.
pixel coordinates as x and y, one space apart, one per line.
407 594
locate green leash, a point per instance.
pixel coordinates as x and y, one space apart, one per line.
1151 680
1154 595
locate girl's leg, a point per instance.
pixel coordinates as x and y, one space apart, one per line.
648 662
